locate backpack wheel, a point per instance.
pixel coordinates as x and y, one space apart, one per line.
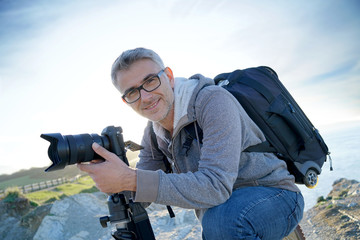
311 178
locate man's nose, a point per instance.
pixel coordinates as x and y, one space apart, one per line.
145 95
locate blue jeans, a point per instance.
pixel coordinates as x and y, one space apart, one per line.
254 213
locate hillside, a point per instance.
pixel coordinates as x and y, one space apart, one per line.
337 216
36 175
40 173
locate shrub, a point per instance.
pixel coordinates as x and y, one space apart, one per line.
34 204
62 196
321 199
11 194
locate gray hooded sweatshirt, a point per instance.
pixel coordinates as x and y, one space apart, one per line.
205 175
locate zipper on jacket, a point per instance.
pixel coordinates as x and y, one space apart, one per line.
173 156
174 160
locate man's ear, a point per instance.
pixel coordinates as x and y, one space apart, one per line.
170 75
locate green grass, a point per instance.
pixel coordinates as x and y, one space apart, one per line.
86 180
83 185
70 189
42 197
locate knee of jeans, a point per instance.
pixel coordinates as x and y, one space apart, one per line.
213 226
209 225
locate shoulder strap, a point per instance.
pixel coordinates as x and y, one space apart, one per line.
190 129
261 147
154 141
166 162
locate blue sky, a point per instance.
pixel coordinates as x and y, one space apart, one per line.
56 58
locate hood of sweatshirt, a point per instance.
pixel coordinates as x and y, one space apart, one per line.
185 93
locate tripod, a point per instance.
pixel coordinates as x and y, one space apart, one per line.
130 219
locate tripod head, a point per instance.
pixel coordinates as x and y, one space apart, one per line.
129 219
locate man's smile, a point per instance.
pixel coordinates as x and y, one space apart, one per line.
153 105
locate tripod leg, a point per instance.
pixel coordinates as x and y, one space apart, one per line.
141 222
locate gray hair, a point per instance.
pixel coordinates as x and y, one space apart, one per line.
128 57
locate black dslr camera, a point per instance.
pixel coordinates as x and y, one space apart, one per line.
72 149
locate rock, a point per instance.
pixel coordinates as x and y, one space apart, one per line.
75 218
11 213
337 216
185 225
33 219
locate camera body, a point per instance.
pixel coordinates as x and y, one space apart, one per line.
72 149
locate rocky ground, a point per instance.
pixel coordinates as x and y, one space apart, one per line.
77 217
19 220
337 216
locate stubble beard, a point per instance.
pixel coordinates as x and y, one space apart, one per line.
167 113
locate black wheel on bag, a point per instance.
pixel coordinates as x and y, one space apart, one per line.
311 178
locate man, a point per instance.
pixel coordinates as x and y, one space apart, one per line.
236 195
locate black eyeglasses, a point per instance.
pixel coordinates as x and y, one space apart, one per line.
150 84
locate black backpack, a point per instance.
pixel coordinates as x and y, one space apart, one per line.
289 133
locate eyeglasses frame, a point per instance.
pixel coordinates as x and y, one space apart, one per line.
142 87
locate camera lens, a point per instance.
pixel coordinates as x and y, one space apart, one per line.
72 149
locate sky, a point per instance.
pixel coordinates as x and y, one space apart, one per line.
56 56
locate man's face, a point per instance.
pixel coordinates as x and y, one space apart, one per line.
157 105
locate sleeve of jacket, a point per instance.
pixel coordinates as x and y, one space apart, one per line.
218 115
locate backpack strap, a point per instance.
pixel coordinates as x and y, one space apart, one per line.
165 160
190 129
154 141
261 147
